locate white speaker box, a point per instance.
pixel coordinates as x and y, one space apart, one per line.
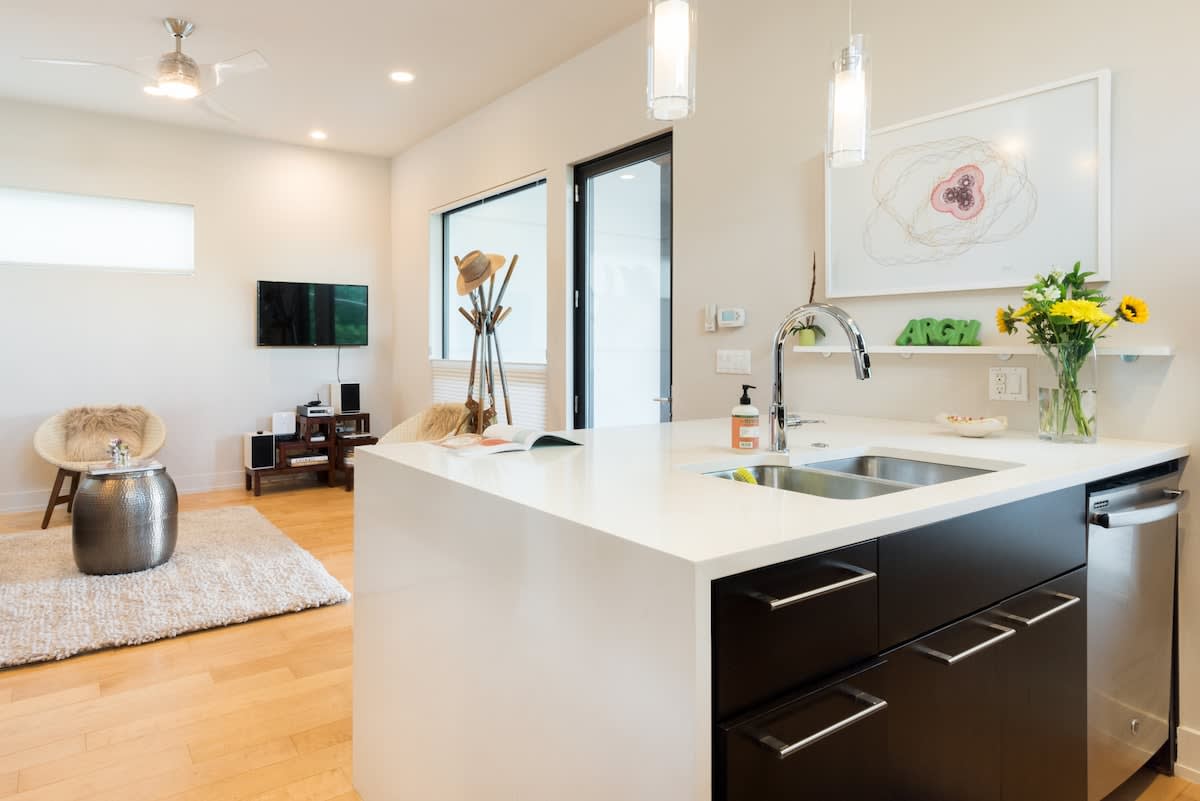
283 424
258 451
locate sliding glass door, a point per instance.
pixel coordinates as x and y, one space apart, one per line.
623 287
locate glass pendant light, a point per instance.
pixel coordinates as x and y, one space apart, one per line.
849 104
671 59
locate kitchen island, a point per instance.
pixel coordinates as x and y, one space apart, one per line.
540 625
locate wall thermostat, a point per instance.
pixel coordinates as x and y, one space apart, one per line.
731 318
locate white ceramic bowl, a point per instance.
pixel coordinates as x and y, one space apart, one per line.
971 426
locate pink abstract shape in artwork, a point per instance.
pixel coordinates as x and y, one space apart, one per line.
961 194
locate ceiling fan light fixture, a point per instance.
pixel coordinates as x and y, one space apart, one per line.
178 76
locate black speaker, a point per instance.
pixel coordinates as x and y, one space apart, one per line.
258 451
345 398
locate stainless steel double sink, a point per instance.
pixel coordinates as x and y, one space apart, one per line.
856 477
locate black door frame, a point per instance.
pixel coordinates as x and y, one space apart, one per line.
658 146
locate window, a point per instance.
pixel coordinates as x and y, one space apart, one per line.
58 229
513 222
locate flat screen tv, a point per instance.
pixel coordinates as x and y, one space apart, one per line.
299 315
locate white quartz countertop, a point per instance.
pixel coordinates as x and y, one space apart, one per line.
645 484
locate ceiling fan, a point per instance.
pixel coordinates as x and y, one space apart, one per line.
175 74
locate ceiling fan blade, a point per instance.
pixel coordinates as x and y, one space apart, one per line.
144 68
213 75
214 108
67 62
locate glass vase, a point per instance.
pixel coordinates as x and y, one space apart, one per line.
1067 395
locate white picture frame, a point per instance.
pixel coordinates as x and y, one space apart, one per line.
1042 159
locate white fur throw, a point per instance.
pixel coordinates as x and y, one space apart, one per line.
88 430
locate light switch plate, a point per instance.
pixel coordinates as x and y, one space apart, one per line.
1008 383
733 362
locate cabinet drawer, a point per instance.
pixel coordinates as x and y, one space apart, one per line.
829 744
948 570
782 627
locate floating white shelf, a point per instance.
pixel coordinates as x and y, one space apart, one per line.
1128 353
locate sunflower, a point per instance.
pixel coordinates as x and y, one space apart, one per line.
1133 309
1004 320
1081 311
1023 312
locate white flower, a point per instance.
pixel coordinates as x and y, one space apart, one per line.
1056 276
1052 293
1033 296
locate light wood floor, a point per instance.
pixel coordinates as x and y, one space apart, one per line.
258 711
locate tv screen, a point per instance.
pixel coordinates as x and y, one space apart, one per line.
292 314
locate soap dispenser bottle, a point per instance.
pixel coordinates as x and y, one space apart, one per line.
745 427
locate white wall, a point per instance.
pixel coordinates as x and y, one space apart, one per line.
748 201
183 346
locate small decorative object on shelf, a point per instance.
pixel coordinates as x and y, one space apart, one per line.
928 331
807 332
118 452
1065 318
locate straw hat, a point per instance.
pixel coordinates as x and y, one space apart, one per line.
475 268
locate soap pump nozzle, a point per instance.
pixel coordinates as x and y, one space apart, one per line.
745 399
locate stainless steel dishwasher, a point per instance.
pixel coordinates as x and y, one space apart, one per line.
1132 546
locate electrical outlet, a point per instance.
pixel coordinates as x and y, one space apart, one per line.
733 362
1008 383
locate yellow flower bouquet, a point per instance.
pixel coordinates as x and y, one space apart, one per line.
1065 318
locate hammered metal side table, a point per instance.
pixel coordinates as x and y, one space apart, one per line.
124 522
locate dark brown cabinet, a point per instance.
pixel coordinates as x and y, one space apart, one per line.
826 744
993 708
942 664
946 571
946 693
1045 700
790 624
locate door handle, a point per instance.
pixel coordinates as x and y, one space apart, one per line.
871 706
660 400
954 659
861 575
1142 515
1067 602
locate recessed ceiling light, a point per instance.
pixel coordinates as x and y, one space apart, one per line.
318 135
627 176
402 77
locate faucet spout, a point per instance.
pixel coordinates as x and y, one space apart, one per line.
859 358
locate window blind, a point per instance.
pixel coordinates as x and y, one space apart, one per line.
65 230
526 389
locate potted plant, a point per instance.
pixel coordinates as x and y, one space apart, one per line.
1064 318
807 332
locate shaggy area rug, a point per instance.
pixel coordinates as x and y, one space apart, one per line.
230 565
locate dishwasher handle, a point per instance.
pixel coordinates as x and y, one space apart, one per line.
1141 515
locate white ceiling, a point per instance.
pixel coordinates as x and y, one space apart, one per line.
329 61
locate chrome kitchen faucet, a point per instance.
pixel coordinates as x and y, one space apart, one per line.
858 356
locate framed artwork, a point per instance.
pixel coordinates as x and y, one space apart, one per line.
981 197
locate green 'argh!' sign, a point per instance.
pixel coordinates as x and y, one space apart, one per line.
929 331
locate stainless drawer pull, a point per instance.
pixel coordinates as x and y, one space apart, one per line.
860 576
1067 602
947 659
783 750
1141 515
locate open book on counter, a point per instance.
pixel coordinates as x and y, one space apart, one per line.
501 439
